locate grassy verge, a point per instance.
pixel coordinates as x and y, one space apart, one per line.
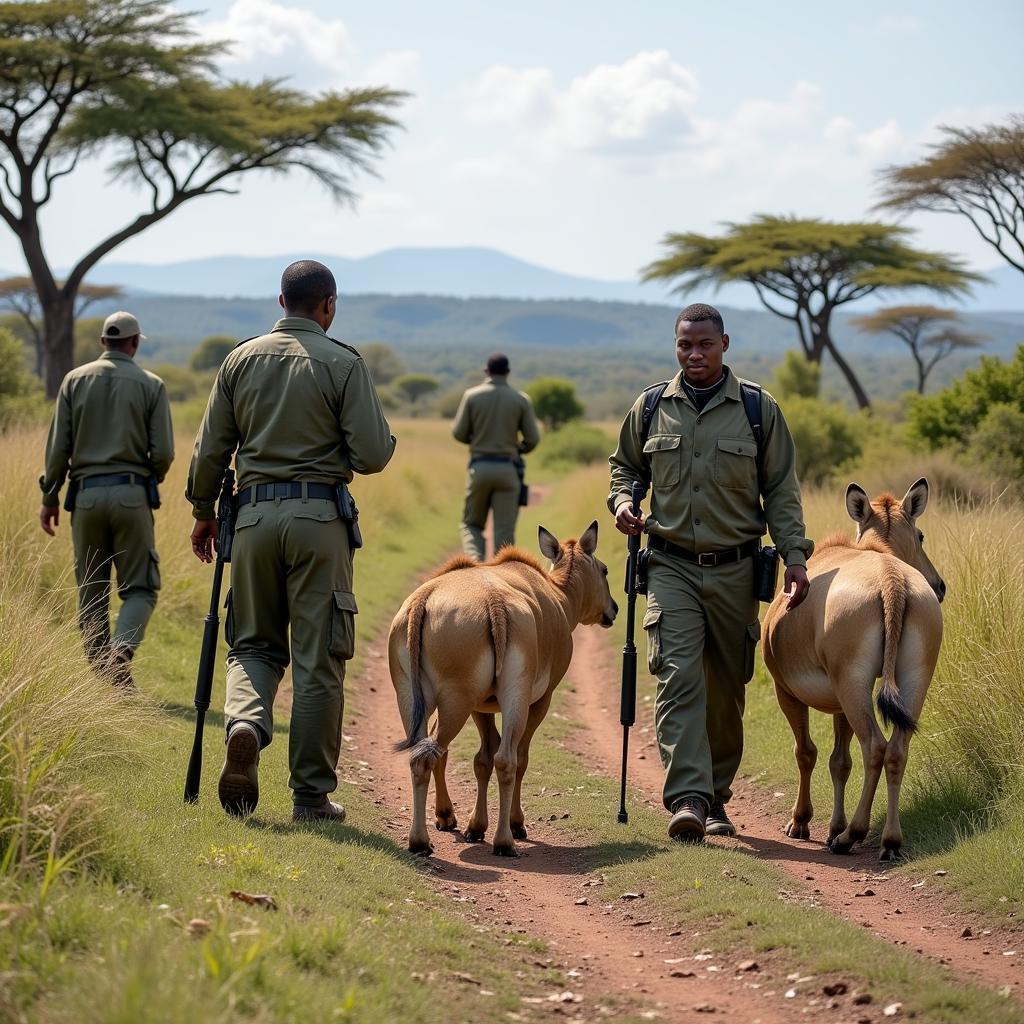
126 913
961 804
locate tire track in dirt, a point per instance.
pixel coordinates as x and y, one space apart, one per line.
614 963
901 911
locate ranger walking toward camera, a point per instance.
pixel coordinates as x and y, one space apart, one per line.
111 432
711 447
498 424
302 412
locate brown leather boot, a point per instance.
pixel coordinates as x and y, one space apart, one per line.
239 787
326 810
689 815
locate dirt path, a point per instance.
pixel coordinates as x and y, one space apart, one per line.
906 912
616 962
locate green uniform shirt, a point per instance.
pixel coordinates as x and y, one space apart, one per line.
112 416
702 468
298 406
491 418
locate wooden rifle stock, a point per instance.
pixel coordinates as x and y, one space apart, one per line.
627 705
211 627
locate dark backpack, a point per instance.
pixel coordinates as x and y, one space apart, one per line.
751 395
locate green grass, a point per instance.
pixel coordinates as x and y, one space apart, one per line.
361 934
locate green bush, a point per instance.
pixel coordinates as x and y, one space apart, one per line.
575 444
183 384
554 401
826 437
212 351
796 377
21 395
998 444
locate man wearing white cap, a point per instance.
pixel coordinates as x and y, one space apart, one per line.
111 432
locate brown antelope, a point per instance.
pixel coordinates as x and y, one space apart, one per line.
481 639
872 611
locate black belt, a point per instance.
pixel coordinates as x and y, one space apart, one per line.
492 458
112 480
285 489
706 559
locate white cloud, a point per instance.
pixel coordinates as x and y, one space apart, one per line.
646 102
379 201
398 69
263 28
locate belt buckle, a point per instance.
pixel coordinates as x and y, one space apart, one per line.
707 560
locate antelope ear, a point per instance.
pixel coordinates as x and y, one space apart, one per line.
916 499
588 541
549 546
858 504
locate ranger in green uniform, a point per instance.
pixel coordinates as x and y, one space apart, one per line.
111 430
303 414
700 458
498 424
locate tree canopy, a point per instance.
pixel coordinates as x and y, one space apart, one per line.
128 80
932 334
803 269
554 401
977 173
211 352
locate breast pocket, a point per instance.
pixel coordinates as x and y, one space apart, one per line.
665 452
736 464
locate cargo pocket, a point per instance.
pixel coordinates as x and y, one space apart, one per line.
153 574
753 634
665 454
341 642
131 496
652 625
229 618
86 499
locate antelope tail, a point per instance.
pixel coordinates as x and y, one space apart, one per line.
497 614
894 608
414 643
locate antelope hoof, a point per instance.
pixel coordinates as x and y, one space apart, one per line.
445 821
518 831
474 835
505 850
798 830
889 853
421 847
838 845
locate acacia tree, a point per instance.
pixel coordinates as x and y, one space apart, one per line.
932 334
127 79
803 269
19 294
977 173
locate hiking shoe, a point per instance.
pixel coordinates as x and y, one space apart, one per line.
326 810
119 667
689 816
239 788
718 823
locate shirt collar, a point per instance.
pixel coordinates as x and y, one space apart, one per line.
730 389
115 355
497 380
299 323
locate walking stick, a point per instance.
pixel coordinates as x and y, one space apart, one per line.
627 707
211 627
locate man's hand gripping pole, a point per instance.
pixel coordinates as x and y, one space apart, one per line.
211 627
627 708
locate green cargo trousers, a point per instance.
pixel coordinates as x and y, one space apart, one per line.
491 485
702 629
291 565
113 527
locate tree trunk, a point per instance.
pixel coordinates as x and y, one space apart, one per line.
863 402
58 342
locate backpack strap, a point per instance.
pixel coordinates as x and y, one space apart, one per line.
751 395
652 396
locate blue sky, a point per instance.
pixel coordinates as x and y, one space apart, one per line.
575 134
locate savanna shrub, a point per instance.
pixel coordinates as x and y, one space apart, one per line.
575 444
826 438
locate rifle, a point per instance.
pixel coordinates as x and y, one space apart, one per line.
211 627
627 707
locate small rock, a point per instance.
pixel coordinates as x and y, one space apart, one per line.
704 1008
940 873
865 892
638 952
677 973
197 927
791 993
1009 952
863 999
632 896
837 988
467 978
748 965
966 933
894 1008
584 902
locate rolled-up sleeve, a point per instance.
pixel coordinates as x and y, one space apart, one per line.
215 444
628 464
363 424
781 489
58 449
